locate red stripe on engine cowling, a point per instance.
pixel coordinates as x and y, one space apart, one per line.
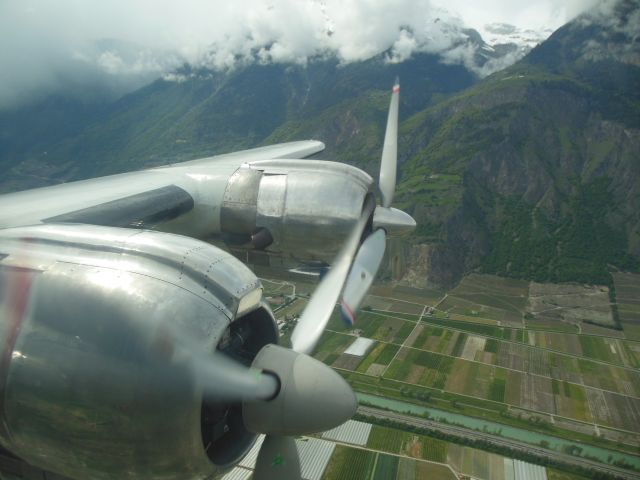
17 300
17 294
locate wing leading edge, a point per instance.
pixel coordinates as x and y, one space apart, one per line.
144 198
300 149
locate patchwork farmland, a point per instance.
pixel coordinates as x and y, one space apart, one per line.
385 453
545 357
628 304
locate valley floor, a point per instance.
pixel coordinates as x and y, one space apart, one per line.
495 355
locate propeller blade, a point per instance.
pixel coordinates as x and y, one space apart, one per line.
220 377
394 222
364 270
316 315
389 162
278 458
224 379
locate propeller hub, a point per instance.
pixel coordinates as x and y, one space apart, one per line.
312 397
395 222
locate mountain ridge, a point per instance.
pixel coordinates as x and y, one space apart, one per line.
531 149
202 113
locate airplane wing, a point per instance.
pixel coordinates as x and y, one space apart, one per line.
266 199
146 198
300 149
163 344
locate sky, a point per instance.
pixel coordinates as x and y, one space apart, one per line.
118 45
533 14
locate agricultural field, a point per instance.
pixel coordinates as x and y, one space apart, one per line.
540 361
605 349
331 346
553 474
351 463
535 380
404 308
568 305
435 339
489 297
277 287
509 351
412 448
479 464
513 334
378 359
628 303
387 439
407 444
420 368
508 372
409 469
421 296
290 309
375 326
396 454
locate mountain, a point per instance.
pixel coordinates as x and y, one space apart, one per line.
193 113
534 171
531 172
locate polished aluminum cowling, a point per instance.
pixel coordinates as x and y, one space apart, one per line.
96 326
298 208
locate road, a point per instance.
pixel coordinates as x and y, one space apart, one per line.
503 442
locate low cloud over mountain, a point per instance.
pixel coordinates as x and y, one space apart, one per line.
109 48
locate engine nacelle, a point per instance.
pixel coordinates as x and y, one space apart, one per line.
96 325
302 208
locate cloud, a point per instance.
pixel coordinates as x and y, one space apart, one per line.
115 46
526 14
620 36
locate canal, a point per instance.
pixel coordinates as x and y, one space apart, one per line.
506 431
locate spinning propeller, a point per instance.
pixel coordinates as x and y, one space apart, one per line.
286 392
386 220
312 397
